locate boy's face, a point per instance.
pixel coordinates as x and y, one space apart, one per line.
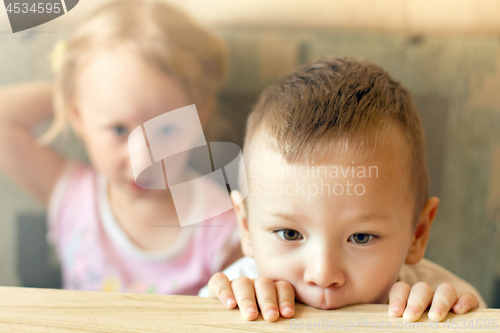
339 237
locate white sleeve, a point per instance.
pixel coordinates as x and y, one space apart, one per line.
242 267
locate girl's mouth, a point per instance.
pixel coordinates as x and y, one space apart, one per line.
136 187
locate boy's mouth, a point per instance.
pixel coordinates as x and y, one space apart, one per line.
325 299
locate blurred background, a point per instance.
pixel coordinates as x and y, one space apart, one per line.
446 52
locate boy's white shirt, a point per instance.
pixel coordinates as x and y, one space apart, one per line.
423 271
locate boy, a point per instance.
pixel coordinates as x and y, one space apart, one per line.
337 211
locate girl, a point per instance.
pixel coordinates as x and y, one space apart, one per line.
128 63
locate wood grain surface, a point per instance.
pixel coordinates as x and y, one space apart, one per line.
49 310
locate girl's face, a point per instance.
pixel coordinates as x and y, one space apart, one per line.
118 92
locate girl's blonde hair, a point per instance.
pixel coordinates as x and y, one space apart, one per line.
157 33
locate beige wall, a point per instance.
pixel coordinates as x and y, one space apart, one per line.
411 16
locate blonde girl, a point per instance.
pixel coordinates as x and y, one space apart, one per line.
127 63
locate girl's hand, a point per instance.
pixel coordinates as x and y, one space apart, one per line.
274 298
412 302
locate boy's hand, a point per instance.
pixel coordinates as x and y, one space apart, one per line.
412 302
274 298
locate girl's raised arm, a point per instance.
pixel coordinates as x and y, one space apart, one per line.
23 159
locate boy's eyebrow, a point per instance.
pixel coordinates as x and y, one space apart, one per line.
285 216
361 218
371 217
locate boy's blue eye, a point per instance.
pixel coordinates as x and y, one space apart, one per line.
120 130
289 234
361 238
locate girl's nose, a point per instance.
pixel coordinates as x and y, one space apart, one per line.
140 157
147 174
324 270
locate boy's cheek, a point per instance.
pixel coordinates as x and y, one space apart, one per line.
383 288
275 267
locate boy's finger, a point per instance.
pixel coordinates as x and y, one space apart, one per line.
444 298
465 302
419 299
398 297
266 297
286 298
245 297
219 286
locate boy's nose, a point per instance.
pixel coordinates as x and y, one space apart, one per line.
324 270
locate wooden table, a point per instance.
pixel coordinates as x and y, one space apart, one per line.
48 310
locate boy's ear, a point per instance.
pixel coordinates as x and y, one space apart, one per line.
241 215
422 231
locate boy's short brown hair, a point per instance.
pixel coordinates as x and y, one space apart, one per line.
333 101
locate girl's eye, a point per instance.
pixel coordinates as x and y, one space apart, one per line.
120 130
289 234
361 238
167 130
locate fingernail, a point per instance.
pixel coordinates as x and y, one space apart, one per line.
411 311
410 314
230 302
288 310
250 311
395 311
435 314
270 312
459 307
436 311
